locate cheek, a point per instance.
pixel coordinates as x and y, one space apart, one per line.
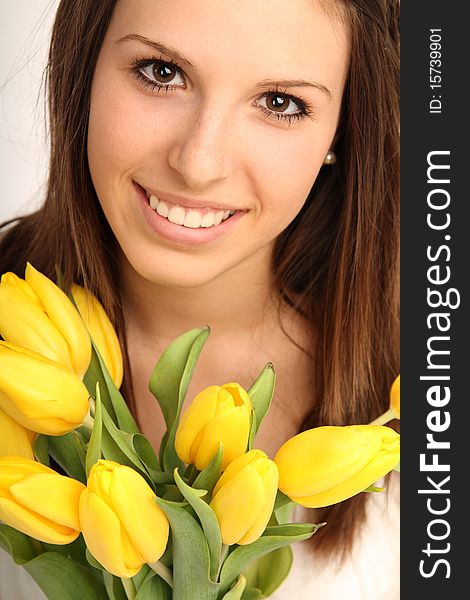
285 173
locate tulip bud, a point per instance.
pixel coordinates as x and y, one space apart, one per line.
15 440
395 397
122 524
101 331
38 501
37 315
217 414
40 394
326 465
243 498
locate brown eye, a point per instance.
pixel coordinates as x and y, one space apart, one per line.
277 102
162 74
282 105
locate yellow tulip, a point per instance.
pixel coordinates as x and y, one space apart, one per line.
15 440
101 331
40 394
217 414
395 397
326 465
37 315
122 525
38 501
243 498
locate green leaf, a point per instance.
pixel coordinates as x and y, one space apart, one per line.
373 488
208 520
209 476
272 539
68 452
169 384
93 454
253 430
269 571
153 588
282 508
117 445
236 592
251 593
114 587
146 453
20 546
111 397
41 449
60 577
191 560
261 393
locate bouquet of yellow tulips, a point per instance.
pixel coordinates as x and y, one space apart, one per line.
89 508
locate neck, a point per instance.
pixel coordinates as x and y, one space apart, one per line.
233 303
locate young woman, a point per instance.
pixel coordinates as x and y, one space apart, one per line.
236 165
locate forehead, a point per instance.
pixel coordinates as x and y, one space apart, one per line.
294 38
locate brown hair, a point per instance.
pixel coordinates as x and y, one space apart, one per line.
336 263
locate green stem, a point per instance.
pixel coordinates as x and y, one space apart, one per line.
129 588
389 415
162 571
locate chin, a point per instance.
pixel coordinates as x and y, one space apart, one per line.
187 272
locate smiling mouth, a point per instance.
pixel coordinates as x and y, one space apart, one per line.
188 217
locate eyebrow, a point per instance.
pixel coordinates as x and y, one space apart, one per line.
168 50
287 83
266 83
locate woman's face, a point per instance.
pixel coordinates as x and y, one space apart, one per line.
209 123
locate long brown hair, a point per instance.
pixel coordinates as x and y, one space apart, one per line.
336 263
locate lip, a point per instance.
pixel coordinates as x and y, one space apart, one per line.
183 236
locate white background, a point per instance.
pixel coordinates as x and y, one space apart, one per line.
25 27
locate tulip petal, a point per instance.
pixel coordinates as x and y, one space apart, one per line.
232 427
56 393
24 324
28 522
238 394
395 397
52 496
384 456
102 533
237 466
199 412
269 479
64 316
101 331
319 458
237 504
12 280
15 440
147 526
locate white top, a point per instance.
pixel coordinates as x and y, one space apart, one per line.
372 572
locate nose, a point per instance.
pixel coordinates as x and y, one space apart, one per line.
202 153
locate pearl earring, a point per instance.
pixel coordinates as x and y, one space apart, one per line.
330 158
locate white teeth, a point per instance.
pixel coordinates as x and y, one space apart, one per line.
192 219
218 217
176 215
187 217
162 208
207 220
